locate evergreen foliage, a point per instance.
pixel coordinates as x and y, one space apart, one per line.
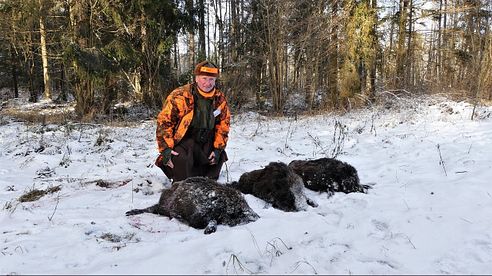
328 54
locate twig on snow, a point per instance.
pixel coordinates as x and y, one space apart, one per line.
56 206
298 263
441 162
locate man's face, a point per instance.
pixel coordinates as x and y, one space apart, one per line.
205 83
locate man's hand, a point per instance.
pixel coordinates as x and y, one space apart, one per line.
214 157
166 157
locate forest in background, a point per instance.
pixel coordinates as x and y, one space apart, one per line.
335 55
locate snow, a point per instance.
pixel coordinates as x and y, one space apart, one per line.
428 211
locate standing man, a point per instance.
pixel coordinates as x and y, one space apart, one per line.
193 128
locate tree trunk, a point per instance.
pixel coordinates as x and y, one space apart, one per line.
409 72
371 91
275 40
439 43
401 56
47 93
202 54
333 55
80 13
144 76
14 66
63 92
191 36
33 92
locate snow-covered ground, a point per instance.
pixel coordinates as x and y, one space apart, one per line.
429 211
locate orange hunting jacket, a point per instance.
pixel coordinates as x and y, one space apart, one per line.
176 115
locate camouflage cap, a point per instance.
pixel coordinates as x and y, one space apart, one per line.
206 68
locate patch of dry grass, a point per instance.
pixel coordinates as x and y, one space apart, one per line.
38 117
61 115
36 194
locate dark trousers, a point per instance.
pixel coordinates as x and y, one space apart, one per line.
193 161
